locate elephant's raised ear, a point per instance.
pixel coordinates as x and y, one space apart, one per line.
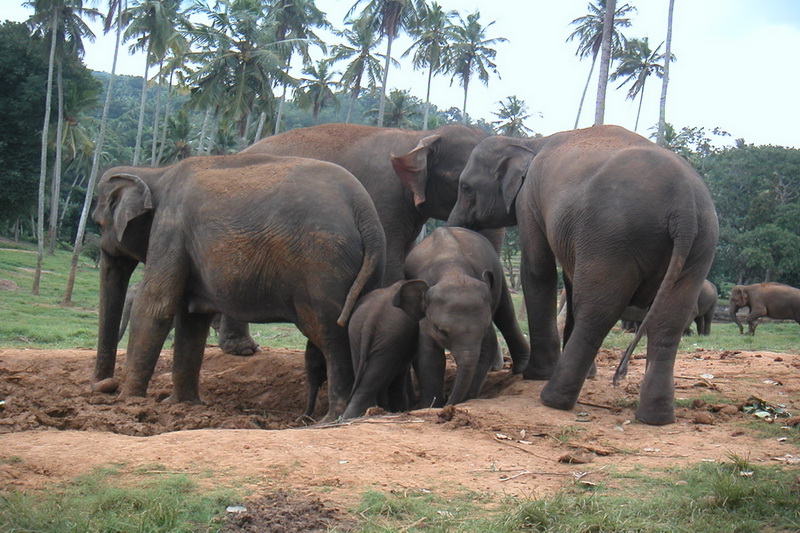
410 297
412 168
512 170
488 277
129 199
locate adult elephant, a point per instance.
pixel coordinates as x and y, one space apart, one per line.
259 238
630 224
773 300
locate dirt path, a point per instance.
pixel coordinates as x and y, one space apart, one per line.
504 444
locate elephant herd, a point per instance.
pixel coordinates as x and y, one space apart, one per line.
317 227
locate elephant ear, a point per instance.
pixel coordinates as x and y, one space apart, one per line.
512 170
410 297
412 168
488 277
131 198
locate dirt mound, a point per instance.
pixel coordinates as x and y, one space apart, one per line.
53 428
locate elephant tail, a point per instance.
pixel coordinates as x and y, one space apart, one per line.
370 275
684 232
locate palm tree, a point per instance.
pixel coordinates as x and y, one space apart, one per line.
387 18
431 32
638 62
238 59
294 22
177 146
316 90
402 110
605 62
471 53
589 33
154 27
511 118
662 110
360 41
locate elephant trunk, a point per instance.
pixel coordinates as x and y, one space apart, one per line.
732 311
115 273
466 365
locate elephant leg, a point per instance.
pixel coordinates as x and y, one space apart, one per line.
752 320
540 288
318 323
234 337
398 400
191 332
316 374
489 347
506 321
430 372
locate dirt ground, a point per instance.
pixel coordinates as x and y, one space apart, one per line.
247 433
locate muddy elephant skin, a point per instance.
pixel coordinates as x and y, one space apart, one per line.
258 238
467 293
773 300
629 222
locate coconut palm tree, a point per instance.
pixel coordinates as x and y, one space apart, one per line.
294 23
589 33
637 63
316 90
471 53
511 118
402 110
662 109
116 8
360 41
387 18
431 33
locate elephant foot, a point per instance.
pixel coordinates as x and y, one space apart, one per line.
592 371
538 374
551 397
243 346
107 385
652 417
519 362
174 398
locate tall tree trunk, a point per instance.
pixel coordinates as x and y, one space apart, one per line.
55 187
37 276
156 117
353 98
279 114
585 88
167 109
427 101
382 106
260 129
203 132
605 62
639 112
464 109
77 181
662 110
98 150
137 152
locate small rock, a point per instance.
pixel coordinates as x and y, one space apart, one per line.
703 417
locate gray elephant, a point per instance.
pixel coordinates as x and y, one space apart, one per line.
467 293
258 238
384 332
773 300
703 314
630 224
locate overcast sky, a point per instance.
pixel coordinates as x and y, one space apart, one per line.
737 65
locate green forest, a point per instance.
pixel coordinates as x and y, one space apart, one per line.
222 75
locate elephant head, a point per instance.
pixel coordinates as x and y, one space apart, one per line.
124 213
489 185
458 315
739 298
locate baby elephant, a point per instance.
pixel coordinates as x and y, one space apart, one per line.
383 332
467 293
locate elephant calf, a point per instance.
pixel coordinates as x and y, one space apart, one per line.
773 300
467 293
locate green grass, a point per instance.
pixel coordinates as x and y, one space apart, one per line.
733 496
106 501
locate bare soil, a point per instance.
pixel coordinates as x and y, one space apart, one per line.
307 478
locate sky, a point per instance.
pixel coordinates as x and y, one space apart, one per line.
735 69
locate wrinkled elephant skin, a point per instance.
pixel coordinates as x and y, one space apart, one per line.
259 238
467 293
629 222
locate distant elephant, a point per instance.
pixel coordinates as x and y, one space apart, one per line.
629 222
384 331
773 300
259 238
467 293
632 317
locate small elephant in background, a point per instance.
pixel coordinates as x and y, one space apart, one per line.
384 331
467 293
772 300
632 316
